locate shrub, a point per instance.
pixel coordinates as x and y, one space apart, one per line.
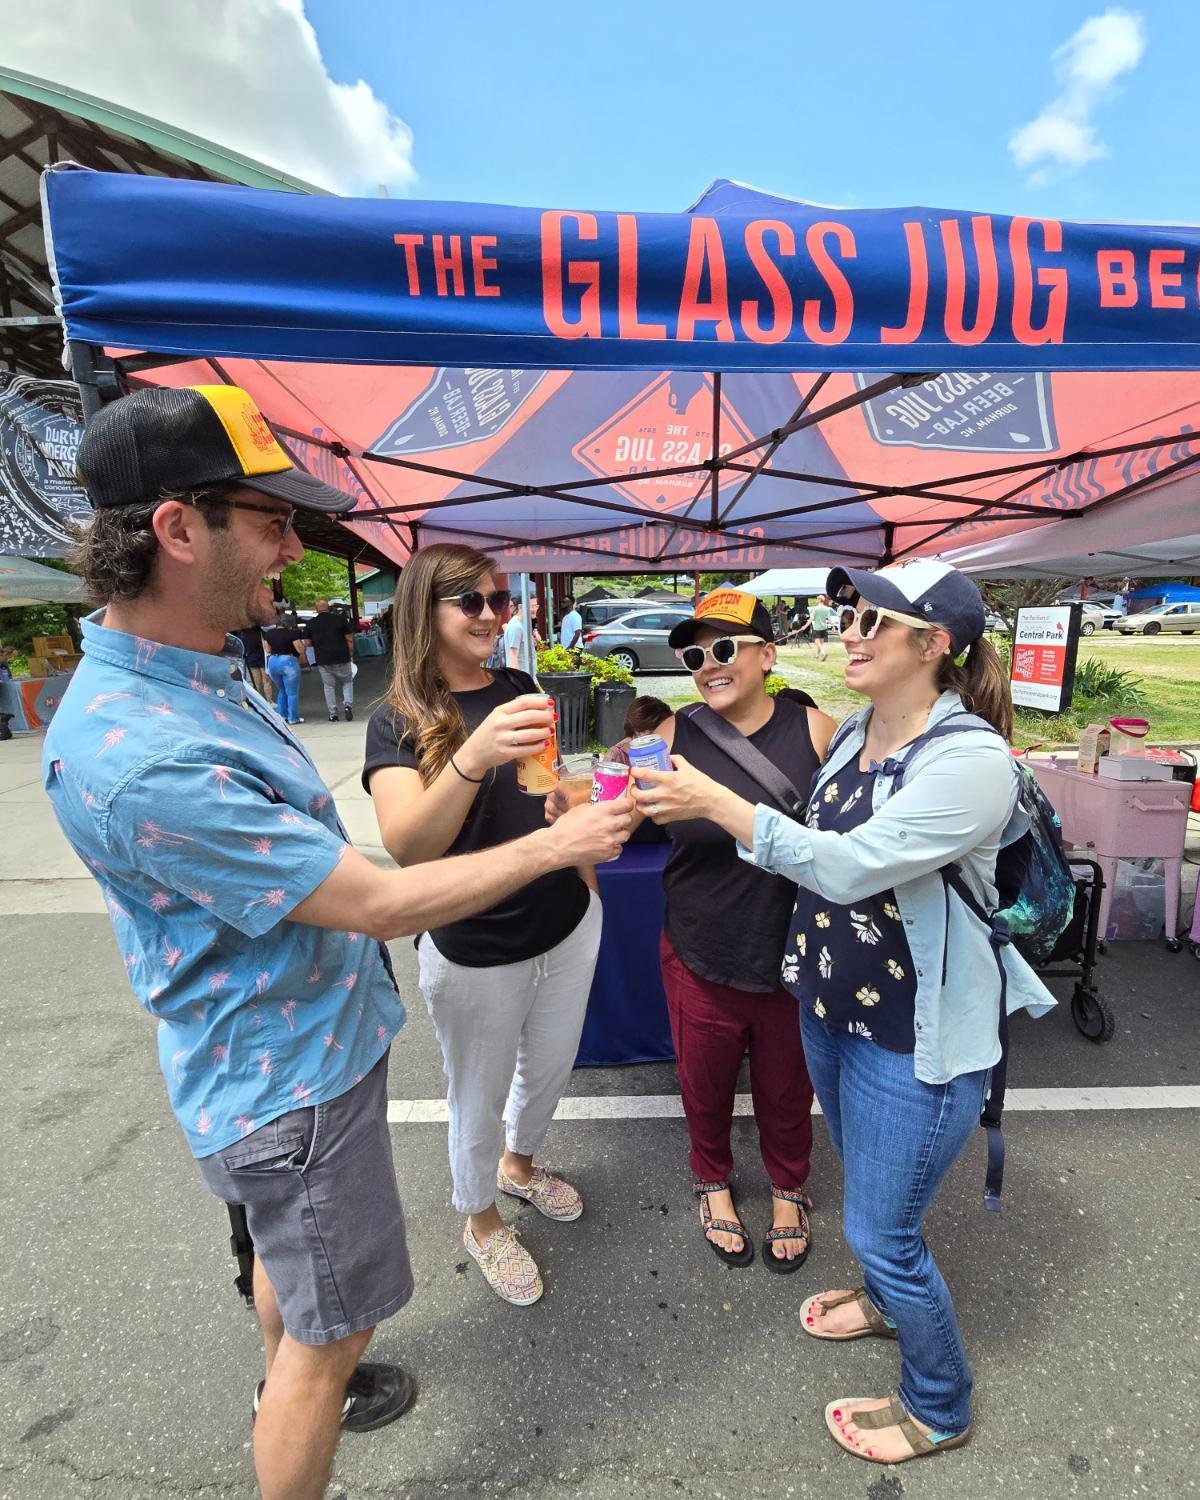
598 668
1105 684
774 683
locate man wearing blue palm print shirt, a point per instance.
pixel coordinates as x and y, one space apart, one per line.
249 926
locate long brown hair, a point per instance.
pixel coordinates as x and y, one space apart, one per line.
981 684
418 691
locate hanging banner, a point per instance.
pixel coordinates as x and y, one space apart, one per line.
1045 641
41 422
220 270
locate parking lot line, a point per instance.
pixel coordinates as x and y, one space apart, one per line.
670 1106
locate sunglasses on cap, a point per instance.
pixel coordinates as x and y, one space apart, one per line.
867 618
471 602
723 650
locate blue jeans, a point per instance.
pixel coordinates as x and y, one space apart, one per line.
897 1138
284 672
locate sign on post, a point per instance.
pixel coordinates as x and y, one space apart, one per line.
1045 640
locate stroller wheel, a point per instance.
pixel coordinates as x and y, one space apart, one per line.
1092 1015
1174 945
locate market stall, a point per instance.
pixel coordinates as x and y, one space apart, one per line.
29 702
756 382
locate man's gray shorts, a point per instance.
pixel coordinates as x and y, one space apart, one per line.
319 1189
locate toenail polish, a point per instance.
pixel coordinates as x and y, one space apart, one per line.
837 1416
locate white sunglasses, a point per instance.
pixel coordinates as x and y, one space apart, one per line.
723 650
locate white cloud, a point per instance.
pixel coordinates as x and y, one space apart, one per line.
245 73
1062 137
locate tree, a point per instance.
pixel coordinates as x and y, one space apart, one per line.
315 576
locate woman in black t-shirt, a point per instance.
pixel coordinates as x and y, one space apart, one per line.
506 989
726 927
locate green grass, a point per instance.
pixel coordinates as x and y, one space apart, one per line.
1169 695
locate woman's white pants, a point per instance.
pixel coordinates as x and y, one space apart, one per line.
509 1036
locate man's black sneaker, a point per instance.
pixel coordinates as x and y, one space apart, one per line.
375 1396
333 716
349 713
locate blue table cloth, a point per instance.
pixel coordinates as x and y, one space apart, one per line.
626 1018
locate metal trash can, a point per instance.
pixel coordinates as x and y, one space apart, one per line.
571 692
612 704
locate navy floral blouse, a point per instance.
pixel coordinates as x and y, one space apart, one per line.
850 964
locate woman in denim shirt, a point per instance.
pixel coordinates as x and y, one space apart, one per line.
897 981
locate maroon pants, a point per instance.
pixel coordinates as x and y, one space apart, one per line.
712 1026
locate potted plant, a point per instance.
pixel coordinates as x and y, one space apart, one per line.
571 678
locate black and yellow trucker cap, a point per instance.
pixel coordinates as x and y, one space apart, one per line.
162 439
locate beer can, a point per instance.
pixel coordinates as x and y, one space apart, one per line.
538 774
648 751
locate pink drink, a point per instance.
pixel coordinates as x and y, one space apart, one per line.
609 781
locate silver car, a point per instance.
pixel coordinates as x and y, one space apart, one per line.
1184 619
638 640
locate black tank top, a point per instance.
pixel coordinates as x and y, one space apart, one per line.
727 920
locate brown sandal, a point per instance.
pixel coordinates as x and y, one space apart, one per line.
891 1415
738 1258
876 1323
782 1266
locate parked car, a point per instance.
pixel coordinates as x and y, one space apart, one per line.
1184 619
1095 617
638 641
600 611
993 621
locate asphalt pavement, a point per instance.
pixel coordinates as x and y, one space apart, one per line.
649 1369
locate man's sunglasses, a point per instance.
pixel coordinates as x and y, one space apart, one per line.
867 618
472 601
285 518
723 650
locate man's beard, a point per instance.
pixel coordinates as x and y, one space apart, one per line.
232 598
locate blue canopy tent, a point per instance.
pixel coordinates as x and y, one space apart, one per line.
757 381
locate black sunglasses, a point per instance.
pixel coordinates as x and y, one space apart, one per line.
472 601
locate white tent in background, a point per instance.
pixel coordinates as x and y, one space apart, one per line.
1152 535
23 582
787 582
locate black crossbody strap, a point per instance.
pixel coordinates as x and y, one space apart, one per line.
739 749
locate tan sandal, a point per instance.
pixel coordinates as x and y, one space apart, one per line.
876 1324
891 1415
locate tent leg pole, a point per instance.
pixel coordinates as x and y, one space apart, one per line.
95 385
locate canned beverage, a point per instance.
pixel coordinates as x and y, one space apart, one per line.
610 780
649 751
538 774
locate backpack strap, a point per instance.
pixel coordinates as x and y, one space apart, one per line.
739 750
998 936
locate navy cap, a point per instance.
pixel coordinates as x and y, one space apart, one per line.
930 591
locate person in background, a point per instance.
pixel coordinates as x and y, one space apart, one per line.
644 716
285 643
899 982
6 655
519 655
331 637
819 617
570 630
726 931
508 989
254 659
251 931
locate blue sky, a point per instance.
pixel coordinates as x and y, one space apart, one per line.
628 105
